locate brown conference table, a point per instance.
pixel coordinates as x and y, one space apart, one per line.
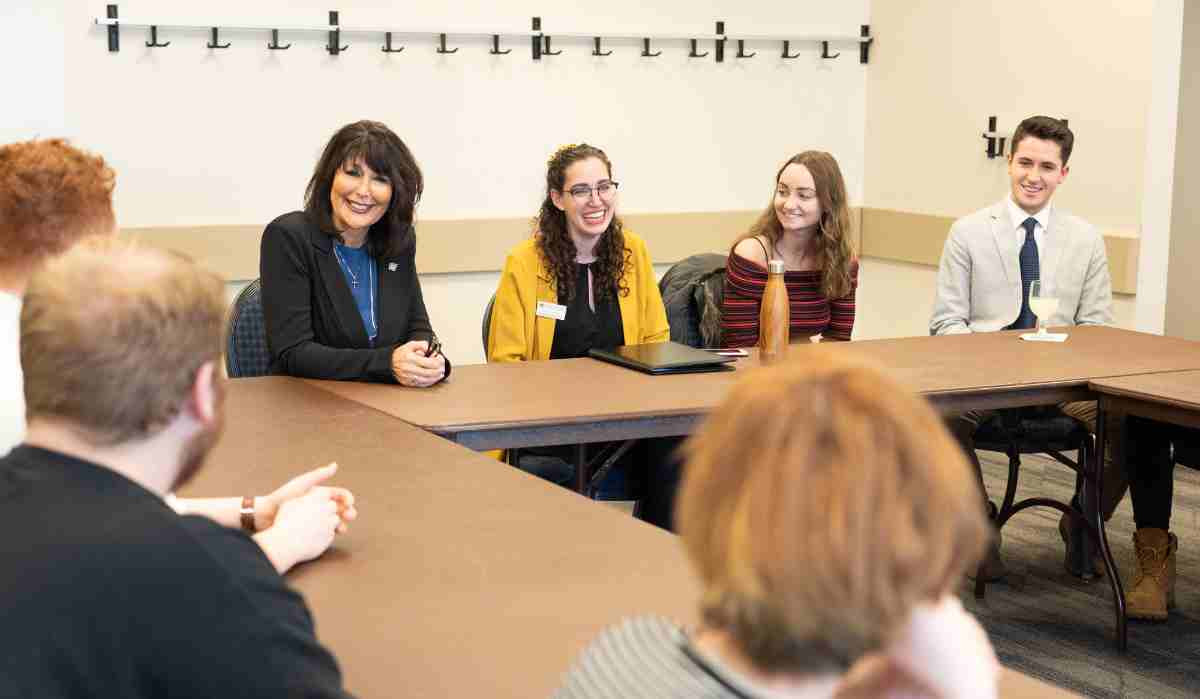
498 406
460 578
1170 397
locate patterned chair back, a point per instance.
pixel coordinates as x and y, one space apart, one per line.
246 351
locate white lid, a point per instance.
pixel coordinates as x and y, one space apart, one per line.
775 266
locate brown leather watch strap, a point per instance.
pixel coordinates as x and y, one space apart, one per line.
248 514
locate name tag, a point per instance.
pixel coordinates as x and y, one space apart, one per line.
551 310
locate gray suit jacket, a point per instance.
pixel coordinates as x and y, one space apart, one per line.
979 280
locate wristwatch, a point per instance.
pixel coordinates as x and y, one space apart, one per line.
247 512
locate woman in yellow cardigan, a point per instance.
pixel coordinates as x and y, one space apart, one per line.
582 281
581 248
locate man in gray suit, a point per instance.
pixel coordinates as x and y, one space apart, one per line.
991 258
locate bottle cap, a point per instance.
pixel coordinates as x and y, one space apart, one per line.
775 266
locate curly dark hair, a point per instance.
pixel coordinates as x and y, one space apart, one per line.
385 153
554 241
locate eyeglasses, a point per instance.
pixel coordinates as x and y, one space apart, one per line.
583 192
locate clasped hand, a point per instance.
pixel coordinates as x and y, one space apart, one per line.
412 368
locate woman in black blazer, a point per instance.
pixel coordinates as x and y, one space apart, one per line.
341 298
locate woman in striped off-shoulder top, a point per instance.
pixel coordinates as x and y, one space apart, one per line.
807 225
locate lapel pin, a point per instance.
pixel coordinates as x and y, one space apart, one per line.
391 266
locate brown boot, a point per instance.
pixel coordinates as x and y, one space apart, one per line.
1152 590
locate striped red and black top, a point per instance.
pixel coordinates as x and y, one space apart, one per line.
811 312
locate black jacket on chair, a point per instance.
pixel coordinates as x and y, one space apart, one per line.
314 328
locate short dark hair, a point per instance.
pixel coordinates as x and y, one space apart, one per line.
385 153
1047 129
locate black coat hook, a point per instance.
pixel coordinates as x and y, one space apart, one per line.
864 48
387 44
442 45
213 44
114 31
786 47
646 49
153 43
496 46
694 54
742 50
596 51
334 46
825 51
720 42
546 49
274 45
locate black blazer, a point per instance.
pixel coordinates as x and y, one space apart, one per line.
313 326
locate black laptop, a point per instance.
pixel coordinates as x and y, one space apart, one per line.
664 358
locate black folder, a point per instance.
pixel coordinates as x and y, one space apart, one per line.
664 358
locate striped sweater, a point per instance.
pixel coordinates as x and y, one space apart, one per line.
811 312
649 657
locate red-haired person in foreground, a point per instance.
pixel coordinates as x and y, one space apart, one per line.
51 195
829 516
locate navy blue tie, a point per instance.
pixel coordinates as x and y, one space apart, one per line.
1030 272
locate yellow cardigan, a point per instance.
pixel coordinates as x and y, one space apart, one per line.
518 334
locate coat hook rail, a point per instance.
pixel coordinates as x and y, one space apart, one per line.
541 43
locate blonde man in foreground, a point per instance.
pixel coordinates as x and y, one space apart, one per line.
829 516
108 592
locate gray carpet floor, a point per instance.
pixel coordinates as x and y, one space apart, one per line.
1048 624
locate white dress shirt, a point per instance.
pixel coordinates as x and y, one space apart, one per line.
12 382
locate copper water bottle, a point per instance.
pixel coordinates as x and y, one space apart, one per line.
774 316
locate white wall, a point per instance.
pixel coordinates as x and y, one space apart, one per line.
1162 115
214 137
230 137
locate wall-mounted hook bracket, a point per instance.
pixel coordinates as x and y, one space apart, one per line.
995 142
214 44
825 51
334 47
546 49
864 47
114 30
387 44
786 48
719 43
442 45
646 49
596 51
153 43
496 50
742 50
694 53
274 45
536 40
